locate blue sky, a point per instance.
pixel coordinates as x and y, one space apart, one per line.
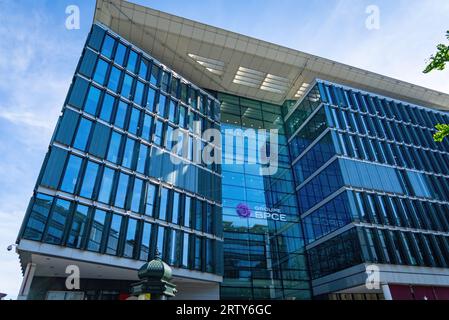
38 56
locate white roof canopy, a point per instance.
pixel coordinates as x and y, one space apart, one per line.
221 60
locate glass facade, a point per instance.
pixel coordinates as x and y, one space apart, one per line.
264 258
371 182
108 184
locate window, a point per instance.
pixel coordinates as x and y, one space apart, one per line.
197 256
158 132
114 147
169 138
38 217
82 135
132 61
175 247
100 136
90 176
107 107
172 111
108 46
142 159
161 105
127 86
136 200
145 242
54 168
120 116
149 203
199 215
71 174
187 212
154 77
185 250
129 152
122 190
209 255
57 221
151 96
134 121
146 128
77 230
143 68
114 234
138 96
130 240
175 211
101 71
106 185
160 241
165 82
114 79
96 231
182 116
120 54
163 204
93 97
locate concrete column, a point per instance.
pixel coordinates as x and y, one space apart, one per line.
386 291
26 282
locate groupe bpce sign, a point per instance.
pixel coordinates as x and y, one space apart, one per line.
243 211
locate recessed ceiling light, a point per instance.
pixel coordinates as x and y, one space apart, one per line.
214 66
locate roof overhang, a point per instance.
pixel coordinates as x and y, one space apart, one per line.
221 60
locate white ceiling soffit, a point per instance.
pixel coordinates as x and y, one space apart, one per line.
302 90
214 66
271 73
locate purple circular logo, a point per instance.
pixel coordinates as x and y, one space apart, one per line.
243 211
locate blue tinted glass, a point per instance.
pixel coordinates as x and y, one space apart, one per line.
108 46
154 78
71 174
100 71
96 232
141 161
82 135
56 223
120 116
38 217
182 116
120 54
160 239
114 79
107 107
92 100
158 133
122 189
162 103
146 128
163 204
172 111
128 154
134 121
130 238
132 61
145 243
78 227
169 138
89 179
114 147
138 96
127 86
185 250
175 211
106 185
143 69
150 99
114 234
137 195
149 202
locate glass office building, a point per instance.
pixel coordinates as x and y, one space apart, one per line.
360 183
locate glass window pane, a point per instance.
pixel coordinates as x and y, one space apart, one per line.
120 54
141 161
71 174
106 185
114 79
160 240
129 152
132 61
38 217
108 46
150 199
158 133
151 96
154 78
93 97
90 176
145 242
146 128
107 107
175 210
163 204
96 231
136 200
187 212
122 190
77 230
57 221
130 239
127 86
82 135
114 147
101 71
114 234
134 121
120 116
138 95
143 68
